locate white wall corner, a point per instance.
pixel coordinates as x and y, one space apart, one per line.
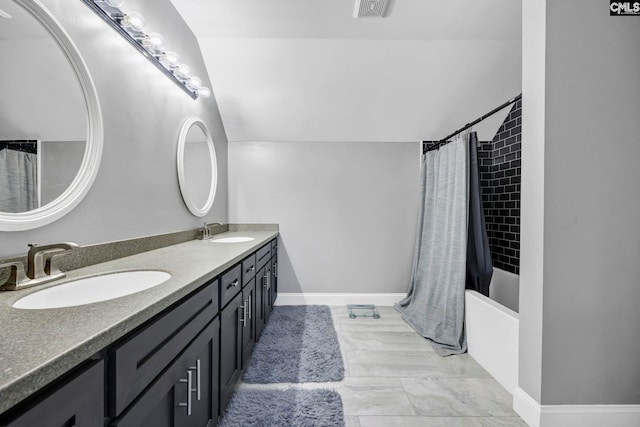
537 415
337 299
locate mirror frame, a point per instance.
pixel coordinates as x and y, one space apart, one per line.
182 139
83 180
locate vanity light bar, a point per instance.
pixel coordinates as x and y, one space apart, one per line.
131 26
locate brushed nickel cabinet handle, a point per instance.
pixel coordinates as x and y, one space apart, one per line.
197 369
189 381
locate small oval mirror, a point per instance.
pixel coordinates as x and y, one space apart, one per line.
197 166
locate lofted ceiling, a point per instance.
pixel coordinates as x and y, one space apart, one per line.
299 70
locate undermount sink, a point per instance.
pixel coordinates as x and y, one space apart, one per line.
237 239
93 289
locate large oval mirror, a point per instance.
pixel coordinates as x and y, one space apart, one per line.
197 166
50 122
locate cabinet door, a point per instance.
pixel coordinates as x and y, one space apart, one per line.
136 361
261 285
77 402
231 321
268 292
249 327
274 277
183 394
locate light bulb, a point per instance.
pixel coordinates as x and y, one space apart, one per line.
154 42
114 3
204 92
133 20
183 71
194 83
169 60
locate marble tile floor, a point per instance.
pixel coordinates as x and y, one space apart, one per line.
394 378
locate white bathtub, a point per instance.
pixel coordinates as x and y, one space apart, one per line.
492 330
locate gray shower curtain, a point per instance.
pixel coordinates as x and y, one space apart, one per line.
18 181
434 306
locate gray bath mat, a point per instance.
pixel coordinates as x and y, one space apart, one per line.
298 345
286 408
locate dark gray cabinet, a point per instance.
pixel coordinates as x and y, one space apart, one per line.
138 359
185 393
248 269
249 324
178 369
230 284
274 271
232 319
78 401
261 286
166 372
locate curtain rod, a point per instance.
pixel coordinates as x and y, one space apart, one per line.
468 125
24 145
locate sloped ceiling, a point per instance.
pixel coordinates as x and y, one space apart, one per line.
301 70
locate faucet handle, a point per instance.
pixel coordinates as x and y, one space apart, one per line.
17 276
40 257
51 267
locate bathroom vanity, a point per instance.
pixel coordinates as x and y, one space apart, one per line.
167 356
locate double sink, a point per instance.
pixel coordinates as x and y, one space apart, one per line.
87 290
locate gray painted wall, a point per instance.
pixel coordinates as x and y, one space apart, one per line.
136 191
532 197
347 211
591 240
579 288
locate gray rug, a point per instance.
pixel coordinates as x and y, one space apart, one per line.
298 345
286 408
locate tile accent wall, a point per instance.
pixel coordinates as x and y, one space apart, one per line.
500 174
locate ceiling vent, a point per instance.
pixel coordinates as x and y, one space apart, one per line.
371 8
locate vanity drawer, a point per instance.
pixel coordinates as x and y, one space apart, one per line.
80 398
248 269
274 247
136 362
263 256
230 284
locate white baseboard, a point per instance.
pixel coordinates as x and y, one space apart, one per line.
537 415
337 299
527 407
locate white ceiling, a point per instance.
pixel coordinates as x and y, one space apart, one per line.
299 70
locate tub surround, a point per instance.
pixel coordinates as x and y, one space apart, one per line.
39 346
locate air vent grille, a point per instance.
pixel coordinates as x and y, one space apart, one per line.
371 8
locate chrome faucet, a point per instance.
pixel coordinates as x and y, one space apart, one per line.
41 266
205 233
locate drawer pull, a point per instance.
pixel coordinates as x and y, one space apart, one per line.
252 268
233 284
189 381
197 369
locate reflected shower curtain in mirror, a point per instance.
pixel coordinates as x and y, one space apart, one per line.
434 306
18 181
